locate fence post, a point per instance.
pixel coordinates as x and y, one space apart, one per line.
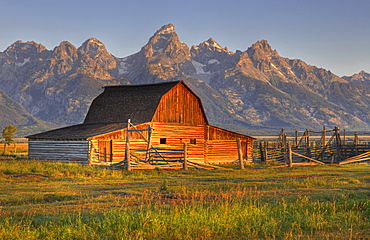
323 137
265 147
90 152
308 147
127 152
296 139
185 166
290 155
338 144
356 143
240 155
262 157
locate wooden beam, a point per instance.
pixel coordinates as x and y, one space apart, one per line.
311 159
240 155
290 156
185 156
127 151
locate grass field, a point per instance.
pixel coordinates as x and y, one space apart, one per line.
44 200
18 150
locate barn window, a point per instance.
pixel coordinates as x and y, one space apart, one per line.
193 141
163 141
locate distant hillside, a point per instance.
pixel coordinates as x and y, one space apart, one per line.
14 114
256 91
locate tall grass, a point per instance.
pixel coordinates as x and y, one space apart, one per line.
300 203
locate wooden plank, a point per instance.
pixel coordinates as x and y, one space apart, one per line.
358 158
311 159
74 151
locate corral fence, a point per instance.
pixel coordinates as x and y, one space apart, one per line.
314 147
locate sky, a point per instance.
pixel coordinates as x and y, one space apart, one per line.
332 34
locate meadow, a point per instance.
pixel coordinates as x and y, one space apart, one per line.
46 200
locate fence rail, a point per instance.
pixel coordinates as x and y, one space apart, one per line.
319 149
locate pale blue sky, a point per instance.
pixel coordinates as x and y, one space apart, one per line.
333 34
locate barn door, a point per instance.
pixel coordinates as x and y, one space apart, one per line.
105 150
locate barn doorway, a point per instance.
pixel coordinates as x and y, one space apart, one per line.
106 150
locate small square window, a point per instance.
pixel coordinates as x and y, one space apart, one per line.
163 141
193 141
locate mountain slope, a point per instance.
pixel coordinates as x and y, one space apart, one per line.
15 115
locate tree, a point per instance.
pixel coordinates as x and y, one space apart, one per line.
8 133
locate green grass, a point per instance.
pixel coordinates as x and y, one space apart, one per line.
44 200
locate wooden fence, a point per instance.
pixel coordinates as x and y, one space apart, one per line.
314 147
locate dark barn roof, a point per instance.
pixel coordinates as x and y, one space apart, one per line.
79 132
120 103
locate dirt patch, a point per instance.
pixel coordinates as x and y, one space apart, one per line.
25 175
310 176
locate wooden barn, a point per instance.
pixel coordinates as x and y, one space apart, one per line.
143 123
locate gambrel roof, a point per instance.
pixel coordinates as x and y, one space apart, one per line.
135 102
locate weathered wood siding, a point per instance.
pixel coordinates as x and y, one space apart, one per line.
212 144
215 133
221 151
226 151
73 151
180 105
221 146
176 135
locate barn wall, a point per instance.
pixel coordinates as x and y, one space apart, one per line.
178 134
72 151
226 151
117 141
221 145
115 154
175 134
221 151
213 145
180 105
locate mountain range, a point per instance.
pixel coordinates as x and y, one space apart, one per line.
256 91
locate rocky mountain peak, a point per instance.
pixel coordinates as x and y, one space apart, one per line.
260 48
210 43
92 47
209 49
362 77
166 41
97 51
166 30
262 44
21 53
65 49
29 45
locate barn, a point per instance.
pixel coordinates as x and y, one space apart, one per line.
143 123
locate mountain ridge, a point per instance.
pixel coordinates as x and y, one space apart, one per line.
252 91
